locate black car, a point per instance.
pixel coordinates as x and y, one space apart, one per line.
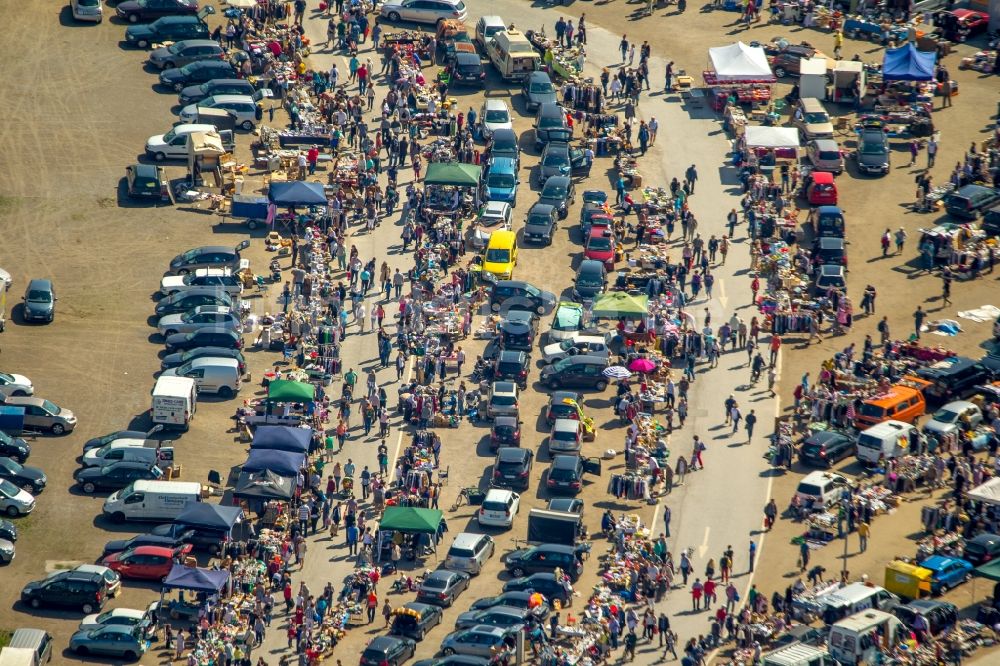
969 201
546 557
537 89
503 143
576 371
828 250
991 222
137 11
98 442
210 336
8 531
195 93
14 447
199 536
467 70
200 71
873 151
518 329
982 548
825 448
561 406
512 467
180 358
513 600
388 651
185 301
147 182
954 379
559 192
73 589
591 279
505 431
415 620
208 256
939 615
525 295
167 29
442 587
540 224
542 583
512 365
551 125
566 472
116 475
171 542
31 479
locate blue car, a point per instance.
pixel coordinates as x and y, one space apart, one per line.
500 180
114 640
947 572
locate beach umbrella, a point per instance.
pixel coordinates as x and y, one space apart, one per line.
616 372
642 365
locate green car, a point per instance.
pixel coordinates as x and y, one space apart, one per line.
114 640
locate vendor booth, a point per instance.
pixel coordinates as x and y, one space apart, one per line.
206 154
292 194
283 463
282 438
204 583
908 89
261 487
740 74
769 144
217 517
849 80
619 304
413 527
451 192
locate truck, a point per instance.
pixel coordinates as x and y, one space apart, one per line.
175 400
152 500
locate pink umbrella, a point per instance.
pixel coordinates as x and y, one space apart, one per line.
642 365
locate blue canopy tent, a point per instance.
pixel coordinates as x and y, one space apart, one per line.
213 516
282 438
296 193
196 579
908 64
283 463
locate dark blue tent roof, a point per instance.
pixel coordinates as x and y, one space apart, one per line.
284 463
296 193
908 64
193 578
215 516
282 438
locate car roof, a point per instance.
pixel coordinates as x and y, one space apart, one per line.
557 180
383 643
541 208
442 573
504 387
505 133
153 550
826 144
831 270
556 145
40 283
467 57
538 74
510 354
505 421
519 316
600 232
830 243
204 249
512 453
494 104
944 369
565 461
496 207
927 604
146 170
563 503
422 608
958 405
199 42
566 425
559 396
465 540
499 494
829 210
549 109
486 629
590 265
939 562
233 98
825 436
504 163
583 359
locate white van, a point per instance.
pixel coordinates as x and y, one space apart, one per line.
37 641
513 55
889 439
487 28
857 639
799 654
173 144
13 656
132 450
819 490
151 500
211 375
175 401
855 598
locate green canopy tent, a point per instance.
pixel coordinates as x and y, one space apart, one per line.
618 304
285 390
452 173
408 520
989 571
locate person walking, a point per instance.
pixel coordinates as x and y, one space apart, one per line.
751 419
770 514
946 289
885 240
696 591
918 320
900 237
864 531
692 176
752 555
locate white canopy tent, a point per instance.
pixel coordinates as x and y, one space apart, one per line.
740 62
988 492
762 136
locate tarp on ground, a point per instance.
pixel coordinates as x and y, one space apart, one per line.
452 173
988 492
282 438
908 64
197 579
296 193
615 304
740 62
410 520
286 390
264 485
214 516
760 136
282 463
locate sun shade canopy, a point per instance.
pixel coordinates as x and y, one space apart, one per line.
411 520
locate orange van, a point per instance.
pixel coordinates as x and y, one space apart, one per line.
903 402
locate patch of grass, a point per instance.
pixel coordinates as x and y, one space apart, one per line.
106 202
6 203
5 636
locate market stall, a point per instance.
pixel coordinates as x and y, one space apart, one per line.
908 88
451 193
283 463
764 146
282 438
260 488
739 74
416 527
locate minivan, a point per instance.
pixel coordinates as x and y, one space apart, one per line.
486 28
900 403
819 490
855 598
38 641
859 638
469 552
812 119
551 125
576 372
173 144
244 108
969 201
211 375
955 378
41 414
884 441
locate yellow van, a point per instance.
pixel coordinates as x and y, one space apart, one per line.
500 256
908 580
902 402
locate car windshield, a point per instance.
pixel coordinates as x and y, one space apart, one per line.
188 69
505 180
497 116
491 220
503 400
541 87
176 47
39 296
532 290
88 3
817 117
564 435
549 122
556 158
50 407
872 147
184 369
538 221
599 243
563 364
946 415
829 155
498 255
8 489
7 379
588 280
435 583
554 189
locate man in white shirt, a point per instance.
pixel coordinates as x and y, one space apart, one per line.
653 125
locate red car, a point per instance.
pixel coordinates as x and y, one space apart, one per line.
147 562
960 24
601 246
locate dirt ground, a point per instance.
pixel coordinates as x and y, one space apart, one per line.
79 108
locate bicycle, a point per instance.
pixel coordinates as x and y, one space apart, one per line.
470 495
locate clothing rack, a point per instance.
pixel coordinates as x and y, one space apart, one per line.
629 486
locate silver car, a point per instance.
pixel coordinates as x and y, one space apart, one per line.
469 552
825 155
424 11
181 53
40 414
478 641
494 215
503 400
200 317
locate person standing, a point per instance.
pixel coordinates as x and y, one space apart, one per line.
946 289
918 320
932 148
752 555
901 237
864 531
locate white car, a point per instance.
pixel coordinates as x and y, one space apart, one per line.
243 108
128 617
5 279
591 345
200 317
499 508
495 216
424 11
495 115
13 384
87 10
221 278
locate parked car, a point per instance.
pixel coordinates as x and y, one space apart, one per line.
469 552
91 11
8 530
551 125
591 280
505 431
442 587
68 588
512 600
954 416
499 508
827 251
562 405
545 558
137 11
492 216
566 436
523 293
947 572
566 472
560 193
220 278
503 143
31 479
147 182
7 551
146 562
113 476
588 345
14 448
194 93
187 51
139 540
467 70
113 640
479 641
503 400
203 316
185 301
170 29
512 365
939 615
540 224
415 620
576 372
125 617
512 466
210 336
14 501
14 384
825 155
829 276
39 301
244 109
601 247
970 201
954 379
787 61
537 89
208 256
40 414
181 358
98 442
826 448
195 73
494 115
543 583
982 548
554 161
504 617
500 181
424 11
872 153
